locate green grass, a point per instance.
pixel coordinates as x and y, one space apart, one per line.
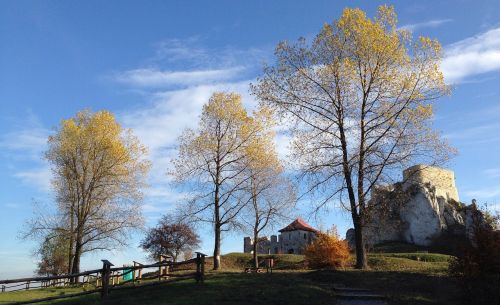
220 288
424 257
405 278
401 277
23 295
238 261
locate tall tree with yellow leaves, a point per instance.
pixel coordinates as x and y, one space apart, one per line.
361 98
210 162
99 169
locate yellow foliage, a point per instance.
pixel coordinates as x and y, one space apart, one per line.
327 251
91 150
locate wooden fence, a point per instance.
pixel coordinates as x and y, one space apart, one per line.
111 278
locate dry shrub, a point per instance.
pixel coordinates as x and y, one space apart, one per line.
327 251
478 267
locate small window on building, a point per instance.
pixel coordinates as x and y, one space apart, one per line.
305 237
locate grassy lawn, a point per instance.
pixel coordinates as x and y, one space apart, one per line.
221 288
8 297
405 278
401 277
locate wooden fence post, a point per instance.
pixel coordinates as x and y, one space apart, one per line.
139 271
200 267
163 270
160 269
106 266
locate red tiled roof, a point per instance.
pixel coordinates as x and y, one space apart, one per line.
298 224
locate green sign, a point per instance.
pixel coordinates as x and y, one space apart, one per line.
128 275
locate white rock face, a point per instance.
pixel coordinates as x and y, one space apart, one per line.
421 215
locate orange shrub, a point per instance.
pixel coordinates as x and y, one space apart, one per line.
327 251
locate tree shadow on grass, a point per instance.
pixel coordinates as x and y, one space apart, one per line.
280 288
409 288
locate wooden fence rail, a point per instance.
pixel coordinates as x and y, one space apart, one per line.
108 278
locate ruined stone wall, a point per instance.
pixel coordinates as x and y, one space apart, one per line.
441 179
265 245
288 242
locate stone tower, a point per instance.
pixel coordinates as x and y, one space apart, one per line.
443 180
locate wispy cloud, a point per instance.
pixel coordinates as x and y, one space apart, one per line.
178 80
152 77
23 148
27 139
492 192
11 205
39 177
472 56
492 172
184 63
486 131
427 24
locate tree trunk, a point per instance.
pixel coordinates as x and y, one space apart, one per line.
361 261
77 255
76 262
255 255
256 224
71 239
217 247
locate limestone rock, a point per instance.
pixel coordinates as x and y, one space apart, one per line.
421 208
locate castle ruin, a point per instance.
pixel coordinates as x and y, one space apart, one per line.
419 210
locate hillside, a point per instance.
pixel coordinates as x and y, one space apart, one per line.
405 278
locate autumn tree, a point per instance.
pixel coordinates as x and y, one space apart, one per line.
209 164
269 193
98 172
359 98
53 255
170 237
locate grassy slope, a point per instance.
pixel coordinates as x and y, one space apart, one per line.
406 278
402 279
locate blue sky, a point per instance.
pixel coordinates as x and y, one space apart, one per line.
154 63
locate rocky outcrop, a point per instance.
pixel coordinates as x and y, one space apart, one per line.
423 207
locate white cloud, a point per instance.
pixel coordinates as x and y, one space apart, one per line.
485 193
180 79
492 172
152 77
11 205
427 24
159 124
480 134
24 148
27 140
472 56
39 177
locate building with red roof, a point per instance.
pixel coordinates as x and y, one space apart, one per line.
292 239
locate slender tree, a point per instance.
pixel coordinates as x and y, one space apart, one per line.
360 97
99 169
269 193
209 164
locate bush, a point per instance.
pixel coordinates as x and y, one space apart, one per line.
327 251
478 267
